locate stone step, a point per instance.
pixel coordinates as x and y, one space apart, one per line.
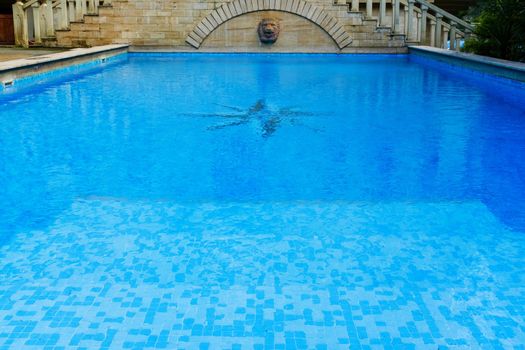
93 28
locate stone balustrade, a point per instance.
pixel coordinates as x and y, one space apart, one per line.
419 21
446 30
36 20
422 22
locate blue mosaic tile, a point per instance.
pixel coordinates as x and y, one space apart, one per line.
101 277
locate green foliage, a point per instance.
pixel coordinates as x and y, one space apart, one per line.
500 29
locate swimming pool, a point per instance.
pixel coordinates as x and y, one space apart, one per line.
263 202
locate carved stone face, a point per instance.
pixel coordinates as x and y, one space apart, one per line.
268 31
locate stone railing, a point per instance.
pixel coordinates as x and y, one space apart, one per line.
36 20
422 22
427 24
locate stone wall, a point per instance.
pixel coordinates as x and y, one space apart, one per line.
297 34
168 23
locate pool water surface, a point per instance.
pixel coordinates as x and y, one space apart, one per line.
223 201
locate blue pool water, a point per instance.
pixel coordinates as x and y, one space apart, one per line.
263 202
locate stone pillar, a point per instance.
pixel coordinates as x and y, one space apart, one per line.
71 10
79 15
369 5
410 27
382 13
84 9
20 24
445 37
46 18
396 23
92 6
63 20
468 33
432 33
355 6
453 30
423 25
439 29
405 21
36 22
418 27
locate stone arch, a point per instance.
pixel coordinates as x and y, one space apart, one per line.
237 8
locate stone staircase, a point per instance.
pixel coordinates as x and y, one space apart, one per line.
353 25
92 30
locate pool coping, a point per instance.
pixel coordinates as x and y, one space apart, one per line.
24 67
249 50
489 65
32 67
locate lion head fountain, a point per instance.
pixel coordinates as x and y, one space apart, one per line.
268 30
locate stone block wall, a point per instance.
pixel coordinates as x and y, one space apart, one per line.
297 33
168 23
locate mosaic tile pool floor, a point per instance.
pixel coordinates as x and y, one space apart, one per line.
117 274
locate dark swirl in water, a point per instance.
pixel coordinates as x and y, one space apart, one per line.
269 119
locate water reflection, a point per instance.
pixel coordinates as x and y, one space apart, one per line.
119 134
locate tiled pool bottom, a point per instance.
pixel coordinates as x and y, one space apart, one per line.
299 275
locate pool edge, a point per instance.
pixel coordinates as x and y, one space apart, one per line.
14 70
487 65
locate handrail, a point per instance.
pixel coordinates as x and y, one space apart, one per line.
446 14
444 27
29 3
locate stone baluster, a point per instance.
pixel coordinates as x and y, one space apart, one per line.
20 24
423 25
369 5
396 24
63 15
71 10
418 27
36 22
382 13
468 33
405 21
46 18
410 27
355 6
78 10
445 38
453 30
432 33
458 43
439 29
84 9
92 6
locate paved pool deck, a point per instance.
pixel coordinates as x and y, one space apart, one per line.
8 53
13 70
